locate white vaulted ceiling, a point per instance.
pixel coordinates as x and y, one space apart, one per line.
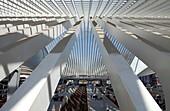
93 8
85 39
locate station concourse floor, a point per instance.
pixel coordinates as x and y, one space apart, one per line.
103 104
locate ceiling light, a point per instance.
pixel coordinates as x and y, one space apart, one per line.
166 36
157 33
147 30
134 36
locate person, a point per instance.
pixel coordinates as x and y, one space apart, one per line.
157 100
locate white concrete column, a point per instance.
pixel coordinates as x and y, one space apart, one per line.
129 90
36 92
156 60
18 52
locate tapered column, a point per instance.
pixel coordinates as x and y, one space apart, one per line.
36 92
156 60
17 52
129 90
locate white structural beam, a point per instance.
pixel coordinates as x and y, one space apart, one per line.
138 9
146 72
55 12
157 8
44 79
18 52
123 7
149 7
13 26
90 7
158 61
31 6
149 28
129 90
58 8
82 6
9 37
12 58
106 8
66 7
98 7
41 7
152 38
136 5
116 7
74 6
